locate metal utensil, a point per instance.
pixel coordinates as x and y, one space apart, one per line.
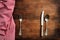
42 23
20 31
46 20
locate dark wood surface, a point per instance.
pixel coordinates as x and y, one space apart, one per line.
30 11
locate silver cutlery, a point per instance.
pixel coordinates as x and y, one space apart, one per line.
46 20
20 31
42 23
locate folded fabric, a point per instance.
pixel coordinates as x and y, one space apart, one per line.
1 5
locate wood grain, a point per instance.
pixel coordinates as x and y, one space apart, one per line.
30 10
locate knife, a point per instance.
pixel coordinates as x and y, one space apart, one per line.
42 23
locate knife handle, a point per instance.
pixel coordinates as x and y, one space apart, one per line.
42 30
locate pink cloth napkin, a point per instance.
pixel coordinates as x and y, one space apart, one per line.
7 25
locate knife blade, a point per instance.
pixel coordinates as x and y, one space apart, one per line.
42 23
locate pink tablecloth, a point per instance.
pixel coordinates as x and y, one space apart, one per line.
7 25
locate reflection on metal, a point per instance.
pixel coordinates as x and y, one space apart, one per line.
42 23
20 31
